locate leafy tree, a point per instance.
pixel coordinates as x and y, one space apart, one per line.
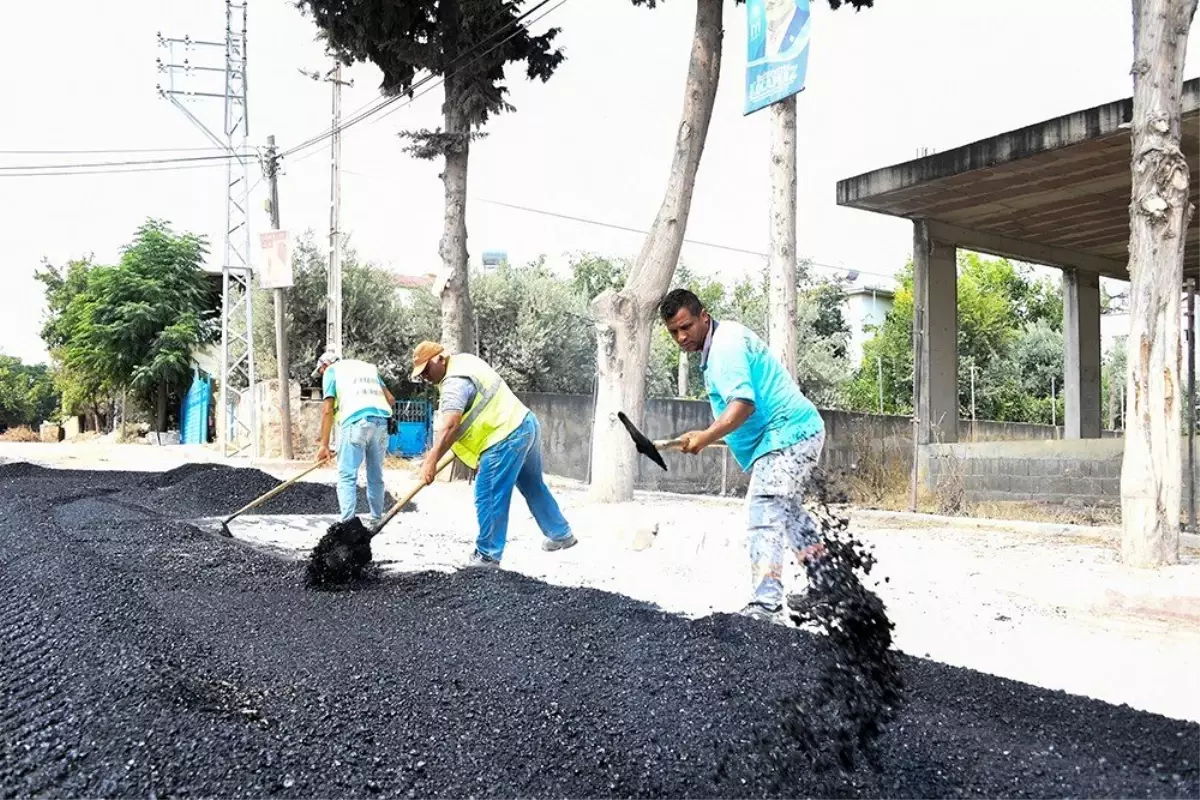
380 327
81 392
534 329
1009 326
592 274
467 43
27 393
135 325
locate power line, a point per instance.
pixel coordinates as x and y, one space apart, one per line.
110 151
117 171
104 164
642 232
384 103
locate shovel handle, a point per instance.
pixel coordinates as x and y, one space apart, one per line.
407 498
669 444
258 501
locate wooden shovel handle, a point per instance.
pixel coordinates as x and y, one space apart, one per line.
258 501
669 444
407 498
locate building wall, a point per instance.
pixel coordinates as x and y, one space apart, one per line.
863 310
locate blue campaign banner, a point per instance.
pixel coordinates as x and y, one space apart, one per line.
777 34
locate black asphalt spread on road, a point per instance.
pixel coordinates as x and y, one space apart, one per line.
141 656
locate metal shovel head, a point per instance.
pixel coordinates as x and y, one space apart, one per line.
641 442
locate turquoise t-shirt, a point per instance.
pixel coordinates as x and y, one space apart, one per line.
329 390
738 366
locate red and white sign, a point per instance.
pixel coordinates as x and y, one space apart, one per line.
275 267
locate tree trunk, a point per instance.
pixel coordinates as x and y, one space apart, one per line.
625 319
457 336
160 413
681 375
781 313
1159 211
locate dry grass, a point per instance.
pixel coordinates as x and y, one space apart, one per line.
21 433
930 503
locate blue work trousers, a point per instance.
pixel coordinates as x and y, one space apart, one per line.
514 461
362 440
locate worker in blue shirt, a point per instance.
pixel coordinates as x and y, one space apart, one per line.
771 429
359 402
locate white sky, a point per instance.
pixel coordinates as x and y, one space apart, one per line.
594 142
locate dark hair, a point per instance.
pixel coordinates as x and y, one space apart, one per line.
677 299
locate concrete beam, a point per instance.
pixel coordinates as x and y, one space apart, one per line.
1021 250
1081 337
935 336
1054 134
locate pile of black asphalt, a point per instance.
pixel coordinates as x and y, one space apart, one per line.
199 490
142 656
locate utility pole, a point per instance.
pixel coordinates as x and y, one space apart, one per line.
781 312
681 375
333 309
237 322
281 340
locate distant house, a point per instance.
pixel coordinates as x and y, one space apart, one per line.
406 285
864 310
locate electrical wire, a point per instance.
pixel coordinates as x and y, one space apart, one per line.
105 164
376 107
109 151
695 242
117 171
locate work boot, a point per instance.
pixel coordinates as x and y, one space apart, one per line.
478 559
550 545
761 612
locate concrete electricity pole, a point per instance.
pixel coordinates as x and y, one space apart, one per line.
281 340
333 313
781 304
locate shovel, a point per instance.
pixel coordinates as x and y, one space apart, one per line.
258 501
345 549
643 537
650 449
406 499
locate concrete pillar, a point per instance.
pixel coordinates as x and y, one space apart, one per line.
1081 365
935 337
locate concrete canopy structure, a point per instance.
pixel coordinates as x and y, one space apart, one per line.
1056 193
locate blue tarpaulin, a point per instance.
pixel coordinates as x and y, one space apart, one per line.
193 412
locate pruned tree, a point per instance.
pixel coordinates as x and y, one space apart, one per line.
624 318
1159 213
467 43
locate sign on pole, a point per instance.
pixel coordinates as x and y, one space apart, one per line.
275 270
777 33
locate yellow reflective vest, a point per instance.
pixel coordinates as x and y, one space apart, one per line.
493 414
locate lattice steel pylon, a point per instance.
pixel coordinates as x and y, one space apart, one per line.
237 427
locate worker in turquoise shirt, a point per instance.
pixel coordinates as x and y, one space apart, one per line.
357 399
771 429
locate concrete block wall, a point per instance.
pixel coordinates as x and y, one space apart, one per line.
1076 473
849 438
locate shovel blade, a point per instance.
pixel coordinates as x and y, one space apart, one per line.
641 441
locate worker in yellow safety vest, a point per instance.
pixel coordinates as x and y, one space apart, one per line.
491 431
357 400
